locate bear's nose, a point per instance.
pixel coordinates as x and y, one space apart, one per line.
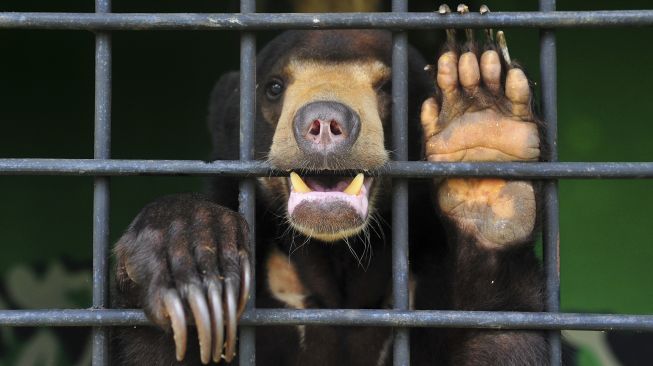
326 127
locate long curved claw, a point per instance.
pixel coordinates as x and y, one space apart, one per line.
246 281
175 310
451 33
215 303
489 34
230 302
202 317
503 45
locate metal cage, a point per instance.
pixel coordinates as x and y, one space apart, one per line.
400 318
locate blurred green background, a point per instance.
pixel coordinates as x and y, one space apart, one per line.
161 84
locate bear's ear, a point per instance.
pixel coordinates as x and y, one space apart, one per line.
224 115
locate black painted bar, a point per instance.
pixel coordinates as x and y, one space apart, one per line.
102 150
551 228
276 21
400 270
404 169
347 317
247 196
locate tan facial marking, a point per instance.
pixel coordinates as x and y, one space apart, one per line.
284 282
349 83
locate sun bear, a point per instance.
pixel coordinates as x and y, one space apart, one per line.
323 116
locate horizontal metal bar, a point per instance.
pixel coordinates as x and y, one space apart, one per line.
264 21
409 169
342 317
71 318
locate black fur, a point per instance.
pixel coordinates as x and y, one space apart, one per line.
451 272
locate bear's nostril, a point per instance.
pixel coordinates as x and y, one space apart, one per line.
335 128
315 128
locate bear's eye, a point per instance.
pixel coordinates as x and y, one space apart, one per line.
274 89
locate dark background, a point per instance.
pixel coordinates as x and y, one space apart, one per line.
161 82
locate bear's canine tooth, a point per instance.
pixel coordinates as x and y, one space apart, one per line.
355 186
298 184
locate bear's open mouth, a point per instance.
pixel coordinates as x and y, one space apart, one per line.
329 207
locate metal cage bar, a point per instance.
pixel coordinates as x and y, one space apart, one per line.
102 150
401 341
551 231
277 21
345 317
247 196
257 168
401 318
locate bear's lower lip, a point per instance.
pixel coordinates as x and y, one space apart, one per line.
324 199
329 208
323 191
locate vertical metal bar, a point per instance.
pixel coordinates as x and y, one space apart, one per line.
401 345
247 198
551 234
102 150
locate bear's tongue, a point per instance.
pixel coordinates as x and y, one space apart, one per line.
323 190
329 184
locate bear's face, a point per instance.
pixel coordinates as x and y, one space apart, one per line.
327 99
